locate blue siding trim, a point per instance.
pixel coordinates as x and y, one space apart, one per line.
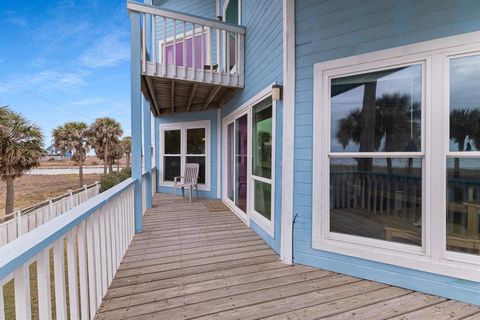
327 30
136 118
147 151
214 148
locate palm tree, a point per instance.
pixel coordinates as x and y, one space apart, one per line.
104 135
72 137
127 148
21 149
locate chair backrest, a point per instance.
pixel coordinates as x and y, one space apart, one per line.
191 172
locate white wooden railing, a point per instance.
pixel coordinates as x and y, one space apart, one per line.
79 252
25 220
181 46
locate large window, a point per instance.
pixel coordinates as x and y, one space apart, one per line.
376 154
396 157
185 143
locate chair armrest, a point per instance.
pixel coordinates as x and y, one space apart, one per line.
177 179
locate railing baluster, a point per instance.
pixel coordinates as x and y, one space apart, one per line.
211 53
164 49
227 58
174 47
92 279
2 304
43 280
103 252
184 49
59 274
72 273
22 292
202 53
82 271
144 43
193 52
97 258
154 43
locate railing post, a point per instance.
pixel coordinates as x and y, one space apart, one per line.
136 117
70 196
18 217
97 187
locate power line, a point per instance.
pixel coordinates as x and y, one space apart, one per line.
46 100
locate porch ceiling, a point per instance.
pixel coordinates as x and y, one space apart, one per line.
170 96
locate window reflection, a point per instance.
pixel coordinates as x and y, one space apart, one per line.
381 202
463 205
377 112
465 104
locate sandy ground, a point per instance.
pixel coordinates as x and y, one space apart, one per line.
32 189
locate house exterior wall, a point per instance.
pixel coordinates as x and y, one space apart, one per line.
327 30
195 116
263 67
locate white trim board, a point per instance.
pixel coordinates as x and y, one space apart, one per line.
432 256
288 137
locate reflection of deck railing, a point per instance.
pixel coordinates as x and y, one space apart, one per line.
399 195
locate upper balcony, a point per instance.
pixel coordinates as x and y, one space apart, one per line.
188 63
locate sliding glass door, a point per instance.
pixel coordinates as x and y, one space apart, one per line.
237 148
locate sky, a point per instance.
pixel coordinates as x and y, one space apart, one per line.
66 60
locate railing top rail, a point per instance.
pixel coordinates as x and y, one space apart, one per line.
23 249
144 8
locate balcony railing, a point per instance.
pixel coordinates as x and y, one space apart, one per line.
186 47
77 254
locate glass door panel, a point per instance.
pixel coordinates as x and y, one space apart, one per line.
230 161
241 141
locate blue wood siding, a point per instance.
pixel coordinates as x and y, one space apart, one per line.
203 8
327 30
263 66
194 116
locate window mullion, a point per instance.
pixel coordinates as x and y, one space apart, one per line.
437 106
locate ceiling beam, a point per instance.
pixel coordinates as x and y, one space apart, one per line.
173 96
152 95
211 96
192 93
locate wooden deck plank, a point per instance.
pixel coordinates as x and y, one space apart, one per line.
195 260
451 310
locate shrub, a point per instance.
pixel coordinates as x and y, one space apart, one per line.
107 181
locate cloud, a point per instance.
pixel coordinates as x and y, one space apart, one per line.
10 17
47 80
109 51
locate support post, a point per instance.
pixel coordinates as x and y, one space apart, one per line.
157 153
147 154
136 118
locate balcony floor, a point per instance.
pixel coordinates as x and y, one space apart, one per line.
199 260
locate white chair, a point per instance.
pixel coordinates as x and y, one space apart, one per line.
188 180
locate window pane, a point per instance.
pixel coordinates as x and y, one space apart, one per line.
463 205
465 104
171 167
263 199
172 141
377 198
262 139
196 141
377 111
201 161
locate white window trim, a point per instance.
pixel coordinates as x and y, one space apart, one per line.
183 126
433 256
267 225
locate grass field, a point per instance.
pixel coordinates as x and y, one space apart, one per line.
32 189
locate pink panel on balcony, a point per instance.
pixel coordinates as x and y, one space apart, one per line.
188 46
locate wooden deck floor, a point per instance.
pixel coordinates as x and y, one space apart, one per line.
200 261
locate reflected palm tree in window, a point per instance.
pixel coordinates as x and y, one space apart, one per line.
464 126
388 123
